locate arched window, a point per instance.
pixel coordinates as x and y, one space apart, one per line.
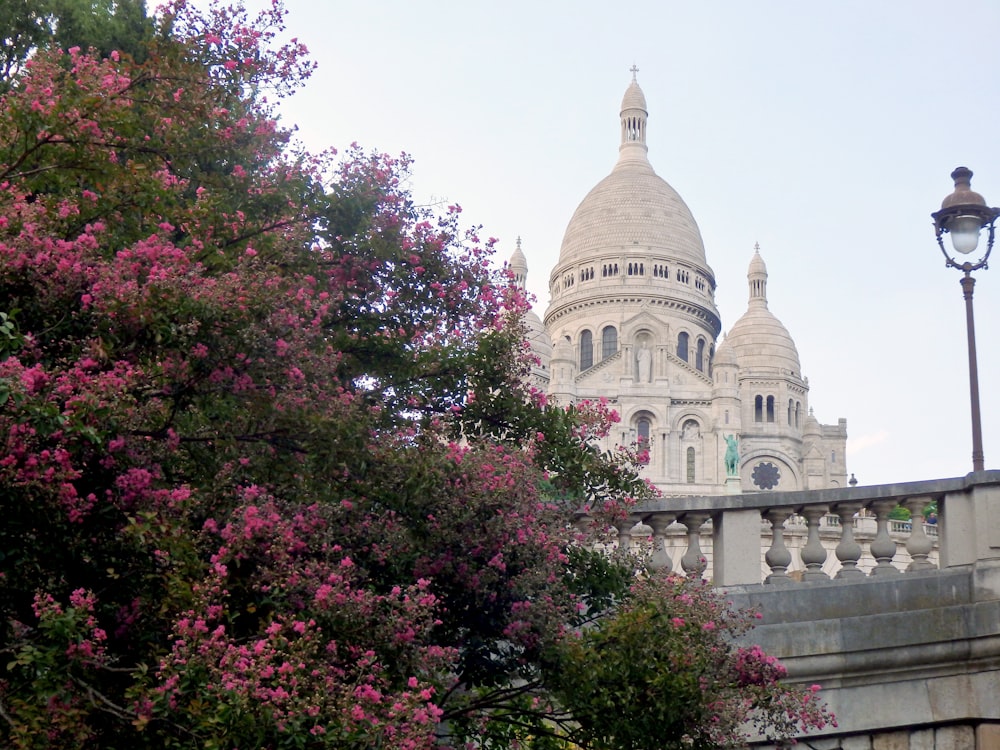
682 345
690 465
609 342
770 408
790 421
699 357
758 409
642 433
586 350
798 409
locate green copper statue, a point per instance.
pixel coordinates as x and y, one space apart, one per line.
732 456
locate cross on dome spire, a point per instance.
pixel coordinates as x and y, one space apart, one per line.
633 70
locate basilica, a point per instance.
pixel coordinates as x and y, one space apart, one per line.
632 319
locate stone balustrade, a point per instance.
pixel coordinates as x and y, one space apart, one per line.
967 531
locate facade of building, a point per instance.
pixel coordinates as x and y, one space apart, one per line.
632 319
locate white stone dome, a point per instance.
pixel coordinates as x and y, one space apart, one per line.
538 337
759 339
633 208
762 342
812 428
535 334
562 349
725 355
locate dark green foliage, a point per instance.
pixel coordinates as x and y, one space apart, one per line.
105 25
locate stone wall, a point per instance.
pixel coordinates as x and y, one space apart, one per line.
903 661
985 736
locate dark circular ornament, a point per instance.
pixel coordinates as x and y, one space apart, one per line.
766 475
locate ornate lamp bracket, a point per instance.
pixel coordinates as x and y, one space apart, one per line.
963 211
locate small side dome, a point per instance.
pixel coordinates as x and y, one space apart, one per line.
761 342
759 339
518 265
562 349
811 427
538 338
725 355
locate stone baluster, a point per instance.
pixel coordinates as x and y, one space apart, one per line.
625 527
813 553
659 558
694 562
778 558
848 551
882 547
919 544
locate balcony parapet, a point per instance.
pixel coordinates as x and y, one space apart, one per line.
968 530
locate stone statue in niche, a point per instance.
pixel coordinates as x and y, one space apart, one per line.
644 364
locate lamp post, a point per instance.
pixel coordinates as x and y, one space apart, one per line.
963 215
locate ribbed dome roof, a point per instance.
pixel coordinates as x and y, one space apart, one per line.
759 339
633 208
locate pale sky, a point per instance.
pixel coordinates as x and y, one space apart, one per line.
825 131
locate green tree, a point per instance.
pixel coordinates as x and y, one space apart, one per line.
25 25
107 26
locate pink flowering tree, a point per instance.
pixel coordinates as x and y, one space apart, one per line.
271 475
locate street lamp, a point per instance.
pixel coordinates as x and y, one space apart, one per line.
963 215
